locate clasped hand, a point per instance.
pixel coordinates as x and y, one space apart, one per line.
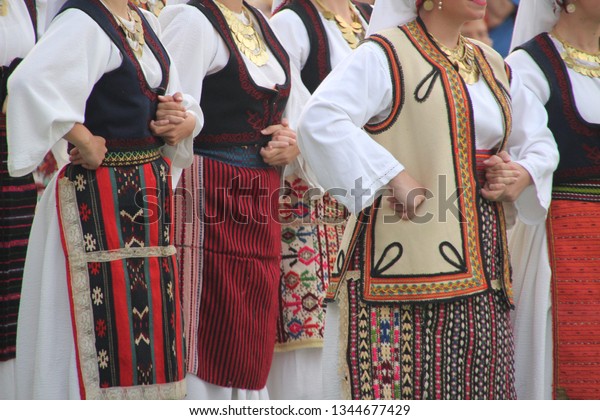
173 124
505 179
282 149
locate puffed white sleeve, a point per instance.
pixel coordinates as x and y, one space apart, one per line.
191 42
181 155
530 74
46 11
292 34
49 89
346 160
531 144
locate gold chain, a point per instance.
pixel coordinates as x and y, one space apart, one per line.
135 35
3 7
352 32
462 57
579 61
245 36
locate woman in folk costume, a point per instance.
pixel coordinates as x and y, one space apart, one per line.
317 35
18 32
227 231
422 292
100 315
555 264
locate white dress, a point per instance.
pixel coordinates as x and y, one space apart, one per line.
17 37
295 374
352 154
198 50
53 86
532 319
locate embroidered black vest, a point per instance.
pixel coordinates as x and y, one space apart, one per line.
318 62
578 140
122 104
235 108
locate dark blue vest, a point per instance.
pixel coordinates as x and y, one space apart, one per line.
235 108
122 104
578 140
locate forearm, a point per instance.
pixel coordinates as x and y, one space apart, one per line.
79 136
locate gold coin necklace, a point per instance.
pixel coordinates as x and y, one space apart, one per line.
462 57
245 36
352 32
133 30
3 7
154 6
578 60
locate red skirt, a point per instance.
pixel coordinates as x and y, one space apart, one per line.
228 239
574 244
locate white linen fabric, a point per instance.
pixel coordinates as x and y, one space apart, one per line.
17 36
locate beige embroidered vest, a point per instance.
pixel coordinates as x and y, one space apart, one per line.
431 132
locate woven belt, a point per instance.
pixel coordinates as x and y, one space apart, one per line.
588 190
131 157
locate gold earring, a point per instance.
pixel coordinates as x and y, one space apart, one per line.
440 5
428 5
571 7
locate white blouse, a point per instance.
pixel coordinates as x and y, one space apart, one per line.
53 92
47 9
293 35
359 91
586 90
17 35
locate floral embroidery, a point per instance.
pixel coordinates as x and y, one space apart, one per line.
163 173
80 182
101 328
84 212
90 242
103 359
97 296
170 290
